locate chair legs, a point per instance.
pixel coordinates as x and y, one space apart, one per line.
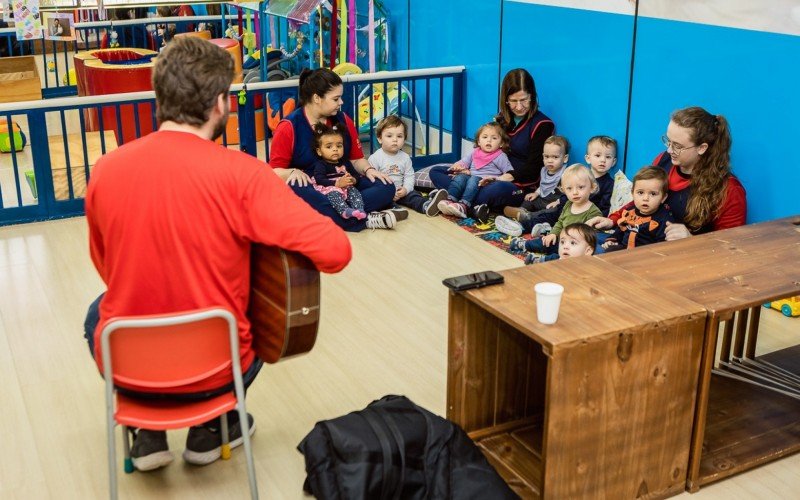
112 452
126 443
248 450
225 451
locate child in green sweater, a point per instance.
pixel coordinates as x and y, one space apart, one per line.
577 183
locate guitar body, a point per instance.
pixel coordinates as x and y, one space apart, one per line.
284 303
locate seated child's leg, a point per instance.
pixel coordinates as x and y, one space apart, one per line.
548 216
541 203
535 245
354 198
457 187
601 238
413 200
337 202
470 191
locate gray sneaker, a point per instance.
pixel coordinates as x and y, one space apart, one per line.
431 207
150 450
204 442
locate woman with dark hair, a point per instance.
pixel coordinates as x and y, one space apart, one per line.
292 154
528 128
703 195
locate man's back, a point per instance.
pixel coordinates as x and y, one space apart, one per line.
171 219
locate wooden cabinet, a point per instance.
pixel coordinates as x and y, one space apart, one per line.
600 404
741 420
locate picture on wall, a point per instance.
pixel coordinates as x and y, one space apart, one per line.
59 26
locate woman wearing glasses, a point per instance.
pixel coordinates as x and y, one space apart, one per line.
527 128
703 193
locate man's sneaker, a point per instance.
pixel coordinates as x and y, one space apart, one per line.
481 212
517 245
516 213
381 220
399 212
431 207
508 226
541 229
204 442
150 450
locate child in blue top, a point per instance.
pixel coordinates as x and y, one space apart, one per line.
555 155
601 156
333 176
644 220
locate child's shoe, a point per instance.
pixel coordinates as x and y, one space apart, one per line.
532 258
541 229
381 220
481 212
431 207
459 209
515 213
353 213
517 245
399 212
508 226
453 208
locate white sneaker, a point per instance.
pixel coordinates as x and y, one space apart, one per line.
541 229
508 226
381 220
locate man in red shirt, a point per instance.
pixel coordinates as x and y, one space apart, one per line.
171 219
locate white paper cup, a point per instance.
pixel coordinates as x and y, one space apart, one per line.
548 301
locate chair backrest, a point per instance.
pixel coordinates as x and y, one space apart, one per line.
170 350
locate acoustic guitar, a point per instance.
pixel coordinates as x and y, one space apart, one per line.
284 303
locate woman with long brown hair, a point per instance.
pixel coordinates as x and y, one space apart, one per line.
527 128
703 193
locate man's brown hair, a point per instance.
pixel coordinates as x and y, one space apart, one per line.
188 76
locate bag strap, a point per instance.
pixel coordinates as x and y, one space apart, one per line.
401 446
389 480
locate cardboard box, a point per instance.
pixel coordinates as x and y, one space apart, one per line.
19 79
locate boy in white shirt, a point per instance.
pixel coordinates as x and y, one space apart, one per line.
394 162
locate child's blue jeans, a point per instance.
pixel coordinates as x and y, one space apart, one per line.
536 246
464 188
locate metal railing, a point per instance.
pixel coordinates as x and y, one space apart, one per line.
138 33
53 144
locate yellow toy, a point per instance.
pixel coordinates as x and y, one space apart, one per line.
789 307
69 78
19 139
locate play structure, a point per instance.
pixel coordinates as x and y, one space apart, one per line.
387 98
116 71
322 34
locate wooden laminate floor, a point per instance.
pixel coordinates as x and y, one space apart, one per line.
383 332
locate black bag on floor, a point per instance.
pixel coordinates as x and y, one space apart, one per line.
394 449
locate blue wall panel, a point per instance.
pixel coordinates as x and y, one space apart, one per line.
748 76
449 33
580 61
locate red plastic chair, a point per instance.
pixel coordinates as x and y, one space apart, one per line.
167 351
